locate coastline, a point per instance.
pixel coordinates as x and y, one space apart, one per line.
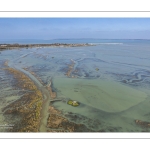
35 108
16 46
81 71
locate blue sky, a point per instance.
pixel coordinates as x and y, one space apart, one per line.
65 28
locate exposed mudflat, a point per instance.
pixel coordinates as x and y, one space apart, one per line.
111 83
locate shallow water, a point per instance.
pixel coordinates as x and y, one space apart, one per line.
110 81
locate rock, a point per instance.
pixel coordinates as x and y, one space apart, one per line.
73 103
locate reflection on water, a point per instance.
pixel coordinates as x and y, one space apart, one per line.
110 81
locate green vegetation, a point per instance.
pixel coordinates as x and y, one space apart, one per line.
73 103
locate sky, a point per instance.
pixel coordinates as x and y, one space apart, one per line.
66 28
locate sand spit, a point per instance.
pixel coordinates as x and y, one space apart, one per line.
70 69
17 46
49 88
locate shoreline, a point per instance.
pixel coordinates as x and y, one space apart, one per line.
28 107
16 46
37 113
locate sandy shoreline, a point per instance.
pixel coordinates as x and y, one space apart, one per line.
16 46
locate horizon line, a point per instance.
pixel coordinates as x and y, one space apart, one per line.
80 38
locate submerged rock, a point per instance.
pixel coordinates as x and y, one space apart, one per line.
144 124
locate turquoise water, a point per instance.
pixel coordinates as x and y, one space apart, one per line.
111 98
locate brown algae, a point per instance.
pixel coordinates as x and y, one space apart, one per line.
28 106
57 123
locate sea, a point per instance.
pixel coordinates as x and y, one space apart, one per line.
110 79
